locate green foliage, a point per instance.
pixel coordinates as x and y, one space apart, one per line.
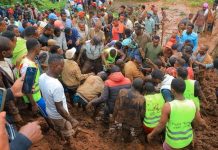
196 3
40 4
193 3
47 4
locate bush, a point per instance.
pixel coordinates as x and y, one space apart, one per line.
40 4
47 4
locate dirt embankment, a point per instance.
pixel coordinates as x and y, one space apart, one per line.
96 137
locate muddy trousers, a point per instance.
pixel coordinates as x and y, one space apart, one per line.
129 133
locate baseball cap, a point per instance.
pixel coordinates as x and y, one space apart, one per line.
52 16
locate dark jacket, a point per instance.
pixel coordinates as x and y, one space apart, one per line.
129 108
20 142
116 81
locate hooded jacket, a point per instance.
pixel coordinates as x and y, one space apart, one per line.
116 81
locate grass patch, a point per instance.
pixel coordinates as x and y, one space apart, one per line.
196 3
40 4
192 3
47 4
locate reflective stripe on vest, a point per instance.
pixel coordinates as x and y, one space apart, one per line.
179 133
154 104
36 93
190 91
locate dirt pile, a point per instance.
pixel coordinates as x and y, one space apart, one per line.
95 137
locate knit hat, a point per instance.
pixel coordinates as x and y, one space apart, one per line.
205 5
81 14
70 53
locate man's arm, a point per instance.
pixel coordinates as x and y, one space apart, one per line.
120 53
162 123
58 99
79 75
29 134
62 111
103 57
199 93
198 120
80 54
20 141
195 18
65 114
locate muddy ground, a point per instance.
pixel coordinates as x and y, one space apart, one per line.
96 137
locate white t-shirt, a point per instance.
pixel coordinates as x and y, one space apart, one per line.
52 91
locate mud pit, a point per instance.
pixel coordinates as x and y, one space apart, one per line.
97 138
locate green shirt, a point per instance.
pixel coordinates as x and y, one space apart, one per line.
19 51
152 52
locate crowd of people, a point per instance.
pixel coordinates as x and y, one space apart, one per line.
96 60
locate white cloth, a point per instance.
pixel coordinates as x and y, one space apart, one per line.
129 24
166 83
206 12
52 91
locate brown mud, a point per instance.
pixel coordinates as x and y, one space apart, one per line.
96 137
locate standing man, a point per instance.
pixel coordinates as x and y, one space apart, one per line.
35 100
20 49
200 19
7 76
154 103
129 110
193 89
97 32
141 38
115 82
165 81
188 34
178 123
56 104
153 49
66 21
149 24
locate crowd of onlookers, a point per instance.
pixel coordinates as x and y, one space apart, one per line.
111 61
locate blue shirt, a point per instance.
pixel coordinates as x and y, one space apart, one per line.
149 25
193 37
67 23
74 37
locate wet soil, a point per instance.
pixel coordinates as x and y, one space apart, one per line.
95 137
